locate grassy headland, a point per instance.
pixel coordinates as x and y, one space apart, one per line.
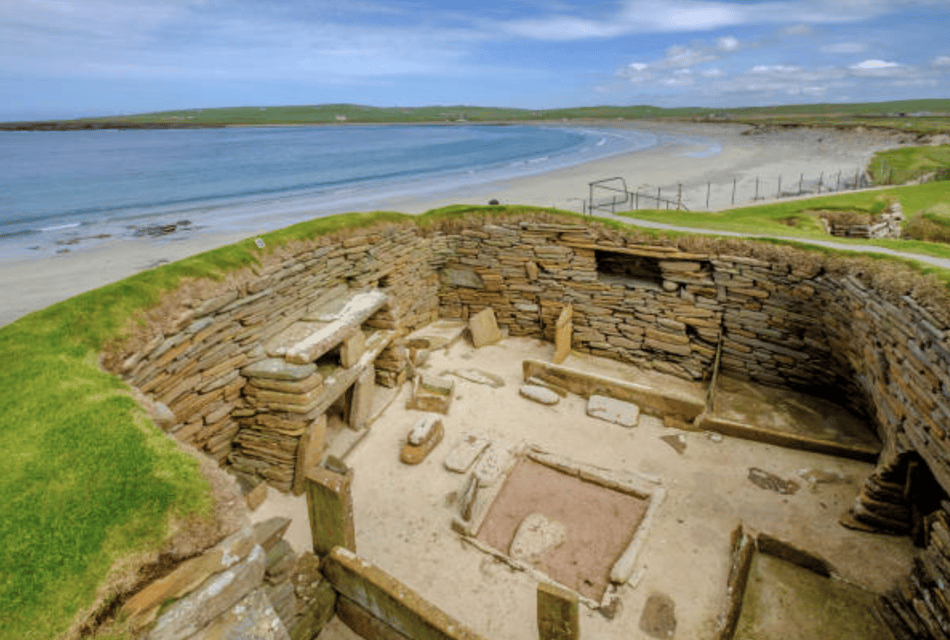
915 116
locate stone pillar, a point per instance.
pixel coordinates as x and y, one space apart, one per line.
309 450
362 399
557 613
563 334
330 507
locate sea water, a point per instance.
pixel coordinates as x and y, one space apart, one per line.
57 187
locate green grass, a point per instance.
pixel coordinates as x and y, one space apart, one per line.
795 218
88 479
899 166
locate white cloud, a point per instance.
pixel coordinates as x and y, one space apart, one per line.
727 43
679 57
685 16
680 78
712 73
845 47
774 68
196 39
942 61
869 65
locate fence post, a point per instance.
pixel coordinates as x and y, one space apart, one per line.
733 191
801 183
638 198
659 192
778 193
838 183
821 179
756 197
856 178
708 188
679 197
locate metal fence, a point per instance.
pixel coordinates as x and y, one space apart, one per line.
612 194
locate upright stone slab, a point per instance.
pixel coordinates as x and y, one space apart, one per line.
309 450
330 507
362 403
352 349
563 333
557 613
484 328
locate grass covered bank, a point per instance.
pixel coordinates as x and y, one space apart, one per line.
90 479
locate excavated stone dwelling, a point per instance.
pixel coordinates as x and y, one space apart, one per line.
260 371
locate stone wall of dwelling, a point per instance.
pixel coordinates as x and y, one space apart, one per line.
191 358
785 319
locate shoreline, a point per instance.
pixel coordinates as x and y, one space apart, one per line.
722 156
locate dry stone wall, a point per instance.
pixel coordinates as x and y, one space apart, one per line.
198 364
783 321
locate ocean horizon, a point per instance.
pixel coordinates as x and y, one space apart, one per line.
57 188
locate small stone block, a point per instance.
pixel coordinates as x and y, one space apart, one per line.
414 454
424 429
539 394
465 452
278 369
557 613
619 412
437 385
491 465
268 532
352 349
484 328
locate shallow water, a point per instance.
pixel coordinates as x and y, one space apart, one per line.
59 186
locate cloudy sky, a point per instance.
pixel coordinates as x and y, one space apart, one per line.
64 58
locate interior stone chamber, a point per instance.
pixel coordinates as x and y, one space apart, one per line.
250 367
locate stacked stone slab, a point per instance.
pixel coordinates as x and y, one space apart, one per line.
193 356
919 607
886 225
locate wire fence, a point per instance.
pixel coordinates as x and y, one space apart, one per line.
613 194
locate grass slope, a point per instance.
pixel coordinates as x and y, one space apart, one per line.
899 166
87 478
876 114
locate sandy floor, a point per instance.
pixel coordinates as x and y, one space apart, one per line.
403 514
32 284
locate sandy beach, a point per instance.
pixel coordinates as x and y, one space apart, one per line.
706 159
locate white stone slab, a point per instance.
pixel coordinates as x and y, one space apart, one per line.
539 394
424 428
492 465
465 452
613 410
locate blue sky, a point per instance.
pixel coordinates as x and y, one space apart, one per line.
65 58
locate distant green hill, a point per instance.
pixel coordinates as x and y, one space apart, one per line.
914 115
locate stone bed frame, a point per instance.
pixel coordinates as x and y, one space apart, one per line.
478 503
775 316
